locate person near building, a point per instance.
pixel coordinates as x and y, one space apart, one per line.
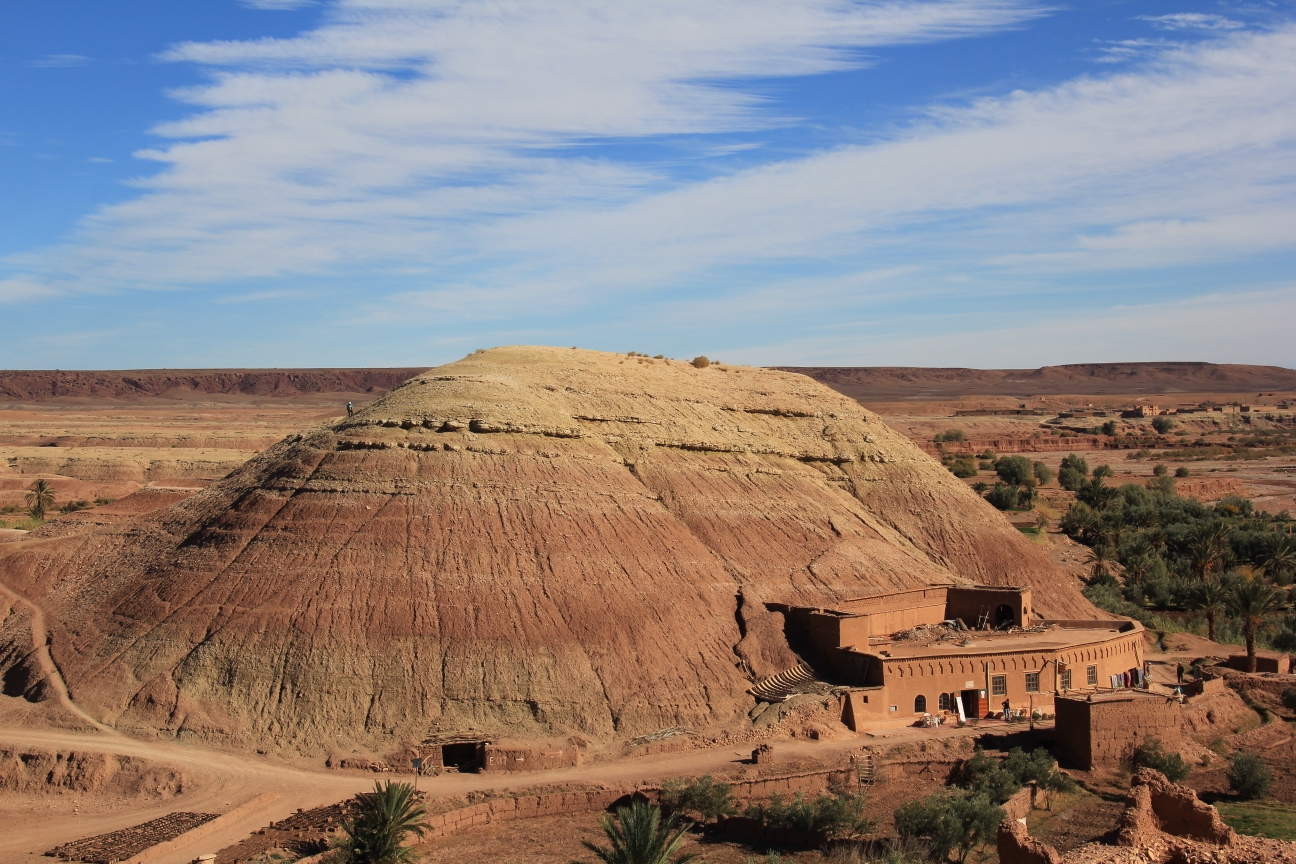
1179 670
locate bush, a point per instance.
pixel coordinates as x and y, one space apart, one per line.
1073 473
1109 428
964 466
1150 754
840 813
383 820
1289 699
1003 497
700 362
1182 471
1248 775
1103 471
950 435
1015 471
1160 471
1043 473
949 822
1162 425
700 795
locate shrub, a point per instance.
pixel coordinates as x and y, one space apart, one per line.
700 362
1043 473
1289 699
1073 472
1003 497
964 466
1015 470
987 454
1182 471
1150 754
1160 470
951 435
1162 425
1248 775
701 795
837 814
1109 428
949 822
1103 471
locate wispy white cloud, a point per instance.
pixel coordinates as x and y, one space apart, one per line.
1192 21
280 5
59 61
1122 50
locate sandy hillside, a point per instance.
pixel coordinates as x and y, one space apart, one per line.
530 541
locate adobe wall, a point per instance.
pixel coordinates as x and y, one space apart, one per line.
968 603
1105 732
496 758
594 800
906 678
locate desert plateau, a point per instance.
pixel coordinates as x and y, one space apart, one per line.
563 580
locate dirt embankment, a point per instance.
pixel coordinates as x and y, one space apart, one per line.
35 770
37 385
909 382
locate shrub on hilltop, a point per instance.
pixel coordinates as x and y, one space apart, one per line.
1248 775
1150 754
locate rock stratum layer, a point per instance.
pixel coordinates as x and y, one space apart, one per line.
530 541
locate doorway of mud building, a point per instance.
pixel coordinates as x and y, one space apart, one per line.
973 703
462 756
1004 616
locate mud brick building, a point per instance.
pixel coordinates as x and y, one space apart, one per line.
958 649
1102 729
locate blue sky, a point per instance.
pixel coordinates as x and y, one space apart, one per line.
399 182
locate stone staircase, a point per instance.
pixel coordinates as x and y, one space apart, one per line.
788 683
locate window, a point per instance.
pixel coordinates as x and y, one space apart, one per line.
1066 679
1091 675
944 702
999 685
1032 682
920 704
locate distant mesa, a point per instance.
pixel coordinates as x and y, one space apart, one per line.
41 385
528 542
881 383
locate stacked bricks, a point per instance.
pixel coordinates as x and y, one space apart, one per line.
120 845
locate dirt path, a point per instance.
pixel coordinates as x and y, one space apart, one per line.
217 781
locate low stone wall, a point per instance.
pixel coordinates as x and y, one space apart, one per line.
593 800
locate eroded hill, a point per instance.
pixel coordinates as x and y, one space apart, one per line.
528 541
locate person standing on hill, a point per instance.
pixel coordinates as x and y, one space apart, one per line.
1179 672
350 409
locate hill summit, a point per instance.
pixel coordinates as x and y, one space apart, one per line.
529 541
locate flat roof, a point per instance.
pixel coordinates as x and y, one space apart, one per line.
1124 695
987 642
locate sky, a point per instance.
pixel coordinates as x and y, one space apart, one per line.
985 183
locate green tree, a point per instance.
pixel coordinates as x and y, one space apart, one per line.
1004 497
1109 428
1043 474
703 795
950 822
1150 754
1095 493
1211 599
1161 471
639 835
1251 601
951 435
1207 547
383 819
1100 561
40 500
1162 425
1103 471
1280 562
1248 775
1015 471
1073 472
963 467
1182 471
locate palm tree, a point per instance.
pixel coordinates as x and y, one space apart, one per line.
1210 598
641 837
1100 559
1251 601
1207 548
1281 561
40 500
383 819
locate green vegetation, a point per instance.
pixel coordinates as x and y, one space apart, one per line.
999 780
384 818
1073 472
703 796
950 435
1150 754
639 835
1162 425
40 500
950 822
1248 775
1043 473
1108 428
963 466
1268 819
837 814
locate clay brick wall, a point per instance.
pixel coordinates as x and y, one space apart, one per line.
967 603
1106 732
497 759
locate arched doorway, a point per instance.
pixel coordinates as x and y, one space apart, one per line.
1004 616
920 704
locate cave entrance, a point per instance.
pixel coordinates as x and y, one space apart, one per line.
462 755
